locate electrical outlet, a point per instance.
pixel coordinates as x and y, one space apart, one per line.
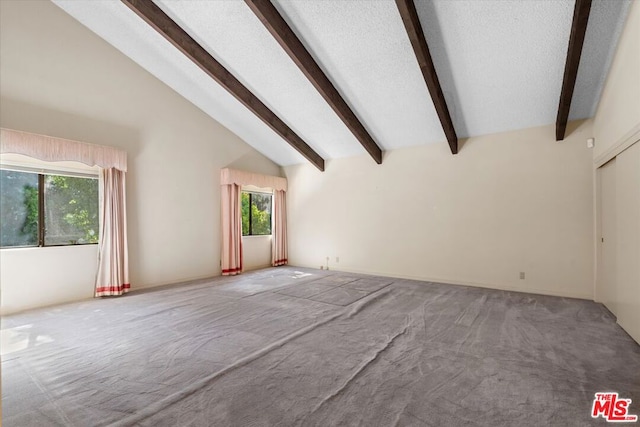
521 275
337 259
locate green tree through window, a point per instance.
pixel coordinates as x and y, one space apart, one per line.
256 213
68 215
71 210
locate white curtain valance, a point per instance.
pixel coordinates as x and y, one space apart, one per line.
51 149
234 176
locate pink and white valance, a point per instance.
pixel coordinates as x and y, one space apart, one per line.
52 149
238 177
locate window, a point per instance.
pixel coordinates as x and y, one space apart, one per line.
47 210
256 214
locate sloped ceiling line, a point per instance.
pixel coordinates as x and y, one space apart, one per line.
293 46
162 23
576 40
412 24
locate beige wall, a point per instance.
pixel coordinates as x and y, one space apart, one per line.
256 252
617 118
617 131
507 203
58 78
28 275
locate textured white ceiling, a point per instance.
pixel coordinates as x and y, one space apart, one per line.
122 28
500 64
605 25
258 61
364 48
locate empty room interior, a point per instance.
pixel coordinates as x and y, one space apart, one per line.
320 213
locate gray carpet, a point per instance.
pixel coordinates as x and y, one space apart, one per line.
291 346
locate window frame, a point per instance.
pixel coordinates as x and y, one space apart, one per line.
42 173
262 193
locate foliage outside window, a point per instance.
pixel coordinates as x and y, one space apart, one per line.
256 214
47 210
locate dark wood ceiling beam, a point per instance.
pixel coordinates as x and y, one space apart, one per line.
412 24
156 18
280 30
574 52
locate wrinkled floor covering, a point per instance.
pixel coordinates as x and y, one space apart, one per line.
291 346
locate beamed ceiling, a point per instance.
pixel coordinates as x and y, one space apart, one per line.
313 80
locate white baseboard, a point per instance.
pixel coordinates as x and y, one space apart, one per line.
448 281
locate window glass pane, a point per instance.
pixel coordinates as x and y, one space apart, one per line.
70 210
245 213
18 208
260 213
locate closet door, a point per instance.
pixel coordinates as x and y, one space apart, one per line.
606 288
627 303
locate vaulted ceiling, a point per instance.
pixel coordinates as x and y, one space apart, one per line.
315 80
